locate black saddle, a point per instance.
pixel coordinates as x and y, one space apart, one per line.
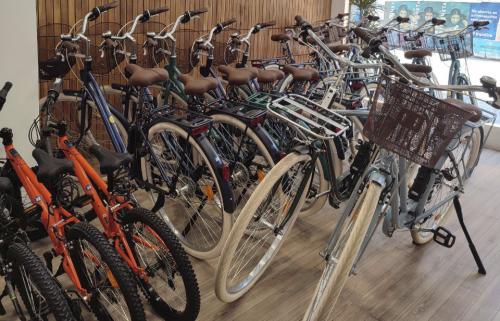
50 168
109 161
5 185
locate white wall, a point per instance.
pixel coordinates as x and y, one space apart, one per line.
19 65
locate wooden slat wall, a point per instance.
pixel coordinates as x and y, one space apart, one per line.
247 12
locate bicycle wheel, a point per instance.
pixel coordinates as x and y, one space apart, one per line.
40 293
466 153
103 274
249 158
341 259
195 207
255 238
171 287
286 137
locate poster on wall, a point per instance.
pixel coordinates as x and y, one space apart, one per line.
458 15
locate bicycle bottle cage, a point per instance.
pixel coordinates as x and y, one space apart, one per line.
312 118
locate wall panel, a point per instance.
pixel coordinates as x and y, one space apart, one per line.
247 12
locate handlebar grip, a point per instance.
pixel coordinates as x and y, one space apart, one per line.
228 22
96 12
263 25
480 23
4 92
342 15
197 11
367 37
299 20
148 14
107 7
402 20
438 22
157 11
373 18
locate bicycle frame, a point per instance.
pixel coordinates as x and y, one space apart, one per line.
94 186
55 218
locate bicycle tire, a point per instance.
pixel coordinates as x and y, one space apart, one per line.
24 258
239 230
333 279
252 136
179 258
118 272
222 187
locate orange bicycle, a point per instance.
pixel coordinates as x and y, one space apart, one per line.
104 284
143 240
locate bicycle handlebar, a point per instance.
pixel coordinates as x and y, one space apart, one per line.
197 12
148 14
96 12
3 93
478 24
402 20
263 25
438 22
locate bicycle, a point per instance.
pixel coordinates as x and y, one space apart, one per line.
275 211
34 293
382 192
102 281
144 241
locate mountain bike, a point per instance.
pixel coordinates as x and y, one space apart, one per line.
34 293
103 283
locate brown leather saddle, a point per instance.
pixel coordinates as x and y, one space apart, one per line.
281 37
301 74
143 77
238 76
417 53
197 87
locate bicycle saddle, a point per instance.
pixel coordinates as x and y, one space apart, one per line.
109 161
5 185
279 37
414 68
238 76
417 53
49 167
193 86
338 48
474 110
304 74
266 76
143 77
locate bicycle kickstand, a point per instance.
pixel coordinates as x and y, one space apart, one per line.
472 247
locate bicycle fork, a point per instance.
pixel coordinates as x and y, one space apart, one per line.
374 176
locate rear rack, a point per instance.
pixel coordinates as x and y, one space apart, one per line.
310 117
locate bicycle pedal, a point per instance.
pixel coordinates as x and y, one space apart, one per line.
444 237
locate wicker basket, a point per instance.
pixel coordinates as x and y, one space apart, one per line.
52 63
411 123
455 46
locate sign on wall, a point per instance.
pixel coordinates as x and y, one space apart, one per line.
458 15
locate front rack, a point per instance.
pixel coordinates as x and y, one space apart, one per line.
313 119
